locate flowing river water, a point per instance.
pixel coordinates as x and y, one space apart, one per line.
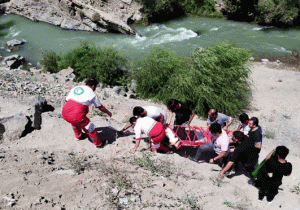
181 35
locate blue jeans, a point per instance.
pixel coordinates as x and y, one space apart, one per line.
209 151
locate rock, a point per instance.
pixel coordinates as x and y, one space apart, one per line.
69 172
15 126
117 89
71 14
14 44
264 60
13 61
127 1
121 5
66 75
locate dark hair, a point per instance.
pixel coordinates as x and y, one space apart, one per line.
91 82
172 103
132 120
243 118
138 110
255 120
239 135
282 151
215 128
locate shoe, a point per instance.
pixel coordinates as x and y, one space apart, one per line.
270 201
259 200
83 136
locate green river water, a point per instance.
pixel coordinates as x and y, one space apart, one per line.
177 35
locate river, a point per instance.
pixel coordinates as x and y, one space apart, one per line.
181 35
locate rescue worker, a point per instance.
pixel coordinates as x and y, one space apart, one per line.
76 109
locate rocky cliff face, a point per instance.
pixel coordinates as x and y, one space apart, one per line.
89 15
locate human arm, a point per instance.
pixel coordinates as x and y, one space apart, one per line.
103 109
137 144
170 117
161 118
228 124
190 120
226 168
239 127
270 154
222 154
128 125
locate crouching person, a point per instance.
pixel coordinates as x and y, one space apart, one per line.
245 154
76 109
218 149
155 130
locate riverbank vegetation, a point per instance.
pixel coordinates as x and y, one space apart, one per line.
216 76
162 10
282 13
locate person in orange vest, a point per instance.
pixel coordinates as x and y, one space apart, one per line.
76 109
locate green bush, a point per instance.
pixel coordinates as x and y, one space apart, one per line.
50 61
216 75
155 70
104 64
240 9
161 10
279 13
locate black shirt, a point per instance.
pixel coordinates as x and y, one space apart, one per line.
256 136
245 152
182 114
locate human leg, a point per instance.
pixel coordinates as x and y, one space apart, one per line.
91 131
206 148
77 131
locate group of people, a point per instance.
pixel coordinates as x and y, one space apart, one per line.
152 121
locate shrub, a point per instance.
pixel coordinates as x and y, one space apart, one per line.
161 10
50 61
280 13
217 76
105 64
155 70
240 10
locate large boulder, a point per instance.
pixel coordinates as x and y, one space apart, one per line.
14 44
13 61
13 127
73 14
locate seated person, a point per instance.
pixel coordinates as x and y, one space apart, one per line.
243 124
149 111
219 148
271 174
155 130
183 114
224 120
245 153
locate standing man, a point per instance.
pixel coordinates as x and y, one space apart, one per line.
255 134
271 174
220 146
183 114
245 153
76 109
224 120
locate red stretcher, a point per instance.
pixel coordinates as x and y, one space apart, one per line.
192 136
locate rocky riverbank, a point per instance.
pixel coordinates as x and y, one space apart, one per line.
47 167
102 16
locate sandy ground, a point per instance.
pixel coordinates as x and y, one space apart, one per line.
50 169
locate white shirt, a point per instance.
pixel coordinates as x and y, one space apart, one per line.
245 128
143 126
84 95
154 113
222 143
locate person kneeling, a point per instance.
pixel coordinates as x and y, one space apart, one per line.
155 130
245 153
